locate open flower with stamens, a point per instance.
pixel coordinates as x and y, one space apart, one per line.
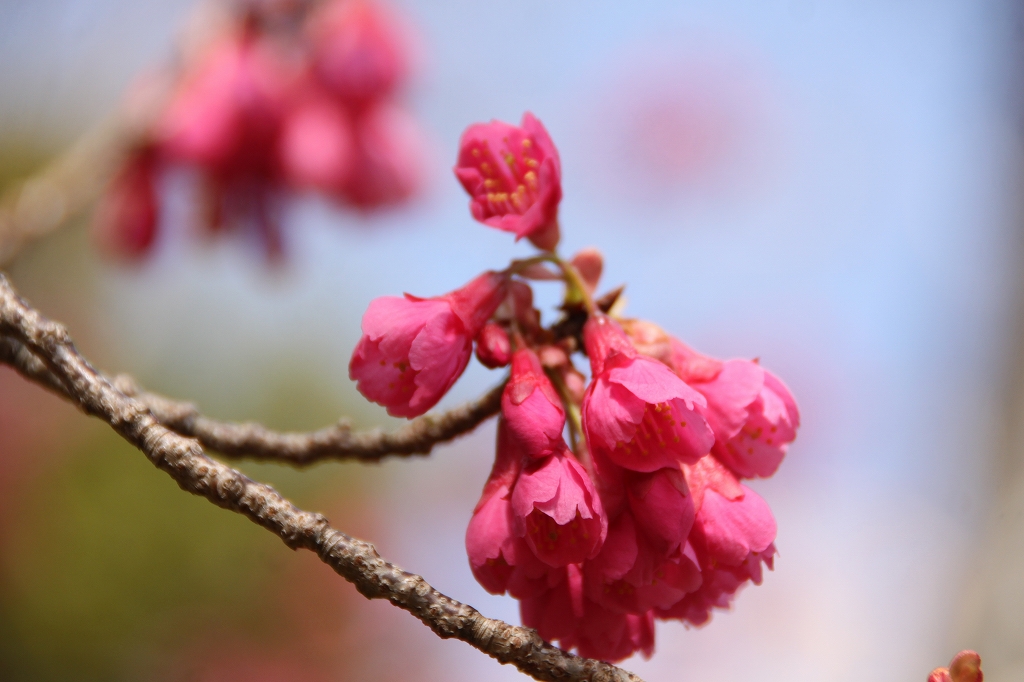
413 349
637 413
514 178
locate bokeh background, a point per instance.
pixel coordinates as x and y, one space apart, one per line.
834 187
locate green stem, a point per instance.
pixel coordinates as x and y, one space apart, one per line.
575 282
572 412
517 266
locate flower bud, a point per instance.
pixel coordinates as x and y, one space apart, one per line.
493 348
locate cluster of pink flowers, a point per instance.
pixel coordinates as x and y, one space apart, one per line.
611 504
267 110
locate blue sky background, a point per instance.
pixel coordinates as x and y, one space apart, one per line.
856 230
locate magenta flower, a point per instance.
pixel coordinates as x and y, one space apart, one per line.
532 408
317 146
225 118
359 50
514 178
645 562
388 157
718 587
610 636
490 543
663 508
126 218
226 114
637 413
493 347
556 611
565 614
501 560
556 509
733 536
751 411
413 349
731 530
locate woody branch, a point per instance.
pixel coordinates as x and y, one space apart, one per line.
31 339
255 441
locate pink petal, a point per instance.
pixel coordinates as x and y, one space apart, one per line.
729 396
654 383
732 530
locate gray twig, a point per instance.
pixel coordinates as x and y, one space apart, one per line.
255 441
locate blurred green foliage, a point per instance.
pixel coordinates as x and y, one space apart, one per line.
108 568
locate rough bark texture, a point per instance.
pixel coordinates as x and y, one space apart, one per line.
37 340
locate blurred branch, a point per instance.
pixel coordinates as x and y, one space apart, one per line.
256 441
337 442
67 372
37 206
68 186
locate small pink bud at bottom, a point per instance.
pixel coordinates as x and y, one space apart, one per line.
966 667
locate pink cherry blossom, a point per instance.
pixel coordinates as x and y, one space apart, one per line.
126 218
387 157
637 413
317 145
514 178
733 535
718 587
751 411
731 530
225 118
556 509
493 347
412 349
663 508
563 613
532 408
359 50
759 447
610 636
225 115
500 559
732 521
489 540
646 561
556 611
